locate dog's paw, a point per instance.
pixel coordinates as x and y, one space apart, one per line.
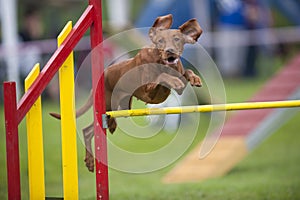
176 84
193 78
89 161
196 81
112 125
180 91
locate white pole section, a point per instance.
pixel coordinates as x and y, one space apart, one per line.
118 13
10 39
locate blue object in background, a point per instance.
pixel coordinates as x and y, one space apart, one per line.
181 11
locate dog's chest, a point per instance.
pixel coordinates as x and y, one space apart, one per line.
155 96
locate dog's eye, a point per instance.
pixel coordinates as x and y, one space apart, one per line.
161 41
176 39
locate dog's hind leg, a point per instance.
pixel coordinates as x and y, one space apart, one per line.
88 134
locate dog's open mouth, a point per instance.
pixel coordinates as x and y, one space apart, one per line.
171 60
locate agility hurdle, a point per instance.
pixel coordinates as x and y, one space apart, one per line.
68 131
203 108
30 105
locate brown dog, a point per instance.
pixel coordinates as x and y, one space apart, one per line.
155 70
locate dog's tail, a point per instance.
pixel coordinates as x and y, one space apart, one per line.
81 110
55 115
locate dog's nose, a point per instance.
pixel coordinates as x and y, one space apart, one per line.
171 51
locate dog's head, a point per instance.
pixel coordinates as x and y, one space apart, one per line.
170 42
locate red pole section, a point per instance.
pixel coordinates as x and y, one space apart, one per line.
99 103
12 140
54 63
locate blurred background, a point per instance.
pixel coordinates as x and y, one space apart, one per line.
249 40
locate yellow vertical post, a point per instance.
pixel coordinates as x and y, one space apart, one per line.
35 143
68 124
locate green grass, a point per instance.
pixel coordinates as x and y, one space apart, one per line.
271 171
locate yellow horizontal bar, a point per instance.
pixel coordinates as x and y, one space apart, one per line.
203 108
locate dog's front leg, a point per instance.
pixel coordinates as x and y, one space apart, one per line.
167 80
193 78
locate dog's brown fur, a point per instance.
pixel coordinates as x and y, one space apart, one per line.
162 71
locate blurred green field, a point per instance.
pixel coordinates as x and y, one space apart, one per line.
270 172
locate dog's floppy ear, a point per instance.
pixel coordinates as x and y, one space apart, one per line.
163 22
192 30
